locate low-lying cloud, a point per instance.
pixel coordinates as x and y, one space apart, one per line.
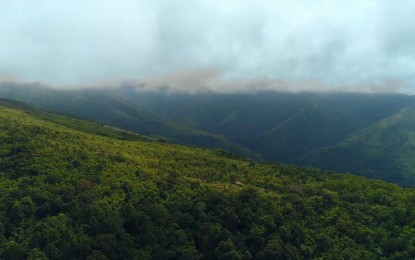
212 80
213 45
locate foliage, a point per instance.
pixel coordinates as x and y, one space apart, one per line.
108 108
366 134
382 150
72 194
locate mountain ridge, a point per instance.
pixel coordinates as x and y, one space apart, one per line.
274 126
101 106
380 150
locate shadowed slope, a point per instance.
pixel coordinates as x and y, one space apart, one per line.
384 150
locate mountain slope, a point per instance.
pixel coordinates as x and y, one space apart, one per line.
290 128
75 123
309 128
107 108
71 194
384 150
253 114
284 127
246 118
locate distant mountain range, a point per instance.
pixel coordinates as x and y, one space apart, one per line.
366 134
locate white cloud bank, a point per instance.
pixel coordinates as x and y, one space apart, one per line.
219 45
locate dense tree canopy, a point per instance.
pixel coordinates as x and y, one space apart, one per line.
72 192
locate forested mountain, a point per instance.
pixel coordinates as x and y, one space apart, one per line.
74 189
253 114
101 106
381 150
312 129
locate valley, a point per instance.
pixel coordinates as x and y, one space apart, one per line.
308 129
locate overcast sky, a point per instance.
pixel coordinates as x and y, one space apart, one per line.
233 45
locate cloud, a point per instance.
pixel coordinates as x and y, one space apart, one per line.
220 45
182 81
70 42
212 80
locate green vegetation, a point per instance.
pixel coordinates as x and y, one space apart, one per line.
74 122
343 132
82 193
106 108
382 150
332 131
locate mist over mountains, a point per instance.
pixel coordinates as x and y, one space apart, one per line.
349 45
215 129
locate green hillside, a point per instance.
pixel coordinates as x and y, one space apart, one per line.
74 122
110 109
312 129
309 128
73 189
384 150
